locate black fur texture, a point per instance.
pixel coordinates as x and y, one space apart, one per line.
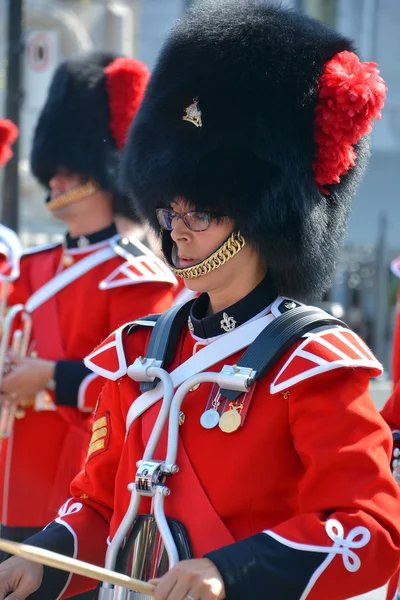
254 68
73 129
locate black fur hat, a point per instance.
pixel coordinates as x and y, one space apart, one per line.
84 122
253 70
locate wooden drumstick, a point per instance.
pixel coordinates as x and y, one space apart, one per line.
71 565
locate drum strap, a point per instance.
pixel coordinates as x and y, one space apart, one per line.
268 347
165 336
278 337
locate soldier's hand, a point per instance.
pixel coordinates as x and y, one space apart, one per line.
195 579
19 576
27 377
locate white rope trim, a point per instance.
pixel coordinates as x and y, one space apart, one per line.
341 546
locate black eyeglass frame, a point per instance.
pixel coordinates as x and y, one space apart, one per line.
181 215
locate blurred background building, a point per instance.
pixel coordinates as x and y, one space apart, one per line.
56 29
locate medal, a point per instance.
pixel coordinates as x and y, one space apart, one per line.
209 419
230 421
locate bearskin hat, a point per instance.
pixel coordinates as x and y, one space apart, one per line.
84 123
262 114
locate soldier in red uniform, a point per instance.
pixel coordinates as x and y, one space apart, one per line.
10 247
391 410
248 147
76 291
395 268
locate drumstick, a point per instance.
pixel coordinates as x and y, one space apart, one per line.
59 561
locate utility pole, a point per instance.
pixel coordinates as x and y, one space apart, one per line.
10 195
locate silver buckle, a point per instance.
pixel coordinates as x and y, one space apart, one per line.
149 476
139 368
239 378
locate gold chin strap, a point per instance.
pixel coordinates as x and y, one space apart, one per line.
228 250
75 195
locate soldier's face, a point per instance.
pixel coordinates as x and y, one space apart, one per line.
191 247
64 181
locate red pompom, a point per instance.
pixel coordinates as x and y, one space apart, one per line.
126 81
351 95
8 135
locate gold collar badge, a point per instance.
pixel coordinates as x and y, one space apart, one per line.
193 113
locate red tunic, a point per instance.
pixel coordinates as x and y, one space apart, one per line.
306 475
395 268
48 445
391 414
391 410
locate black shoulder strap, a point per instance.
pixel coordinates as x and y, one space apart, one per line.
126 245
147 321
268 347
277 337
164 337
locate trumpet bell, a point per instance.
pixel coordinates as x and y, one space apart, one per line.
16 328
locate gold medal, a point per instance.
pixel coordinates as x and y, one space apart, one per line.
230 421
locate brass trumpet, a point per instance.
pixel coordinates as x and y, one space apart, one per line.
16 322
15 338
10 258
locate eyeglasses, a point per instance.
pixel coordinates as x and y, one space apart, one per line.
194 220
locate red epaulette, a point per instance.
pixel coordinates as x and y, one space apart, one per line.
324 351
142 269
140 266
108 359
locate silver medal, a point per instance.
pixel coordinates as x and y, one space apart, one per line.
209 419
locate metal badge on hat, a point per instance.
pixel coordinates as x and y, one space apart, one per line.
193 113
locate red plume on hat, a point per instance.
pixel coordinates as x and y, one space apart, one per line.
126 81
351 95
8 135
